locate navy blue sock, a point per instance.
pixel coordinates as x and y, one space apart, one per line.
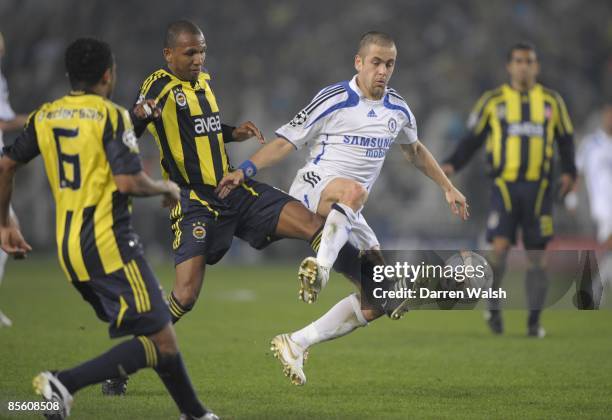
120 361
172 372
536 286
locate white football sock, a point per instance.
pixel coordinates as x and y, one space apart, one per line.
341 319
335 234
605 273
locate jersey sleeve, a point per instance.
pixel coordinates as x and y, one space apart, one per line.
307 123
564 135
120 143
153 87
477 131
581 154
478 119
6 111
25 147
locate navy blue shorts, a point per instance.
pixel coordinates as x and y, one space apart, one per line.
527 205
130 300
203 224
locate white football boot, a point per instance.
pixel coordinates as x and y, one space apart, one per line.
312 279
48 386
291 356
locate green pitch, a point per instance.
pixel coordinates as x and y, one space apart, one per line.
431 364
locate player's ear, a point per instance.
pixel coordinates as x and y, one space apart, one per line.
167 55
358 62
107 77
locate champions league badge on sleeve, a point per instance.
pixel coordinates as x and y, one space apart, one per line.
299 119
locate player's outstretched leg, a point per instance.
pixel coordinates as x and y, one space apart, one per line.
187 286
340 201
291 349
157 351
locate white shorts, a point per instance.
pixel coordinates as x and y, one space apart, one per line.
308 186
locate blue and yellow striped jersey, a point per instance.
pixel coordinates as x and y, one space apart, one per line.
189 133
519 130
84 140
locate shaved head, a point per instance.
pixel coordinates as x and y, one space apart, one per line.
374 37
175 29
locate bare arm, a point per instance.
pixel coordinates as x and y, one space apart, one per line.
16 123
141 185
419 156
269 155
11 239
8 167
272 153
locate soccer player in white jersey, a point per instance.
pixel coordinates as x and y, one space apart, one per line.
9 121
594 162
350 126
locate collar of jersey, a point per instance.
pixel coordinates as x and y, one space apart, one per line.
362 97
184 83
509 86
81 93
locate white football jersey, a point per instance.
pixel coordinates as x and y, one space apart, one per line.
6 112
594 161
348 134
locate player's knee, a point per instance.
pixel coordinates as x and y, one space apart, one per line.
165 341
354 195
371 314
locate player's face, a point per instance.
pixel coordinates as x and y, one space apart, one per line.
374 69
187 57
523 67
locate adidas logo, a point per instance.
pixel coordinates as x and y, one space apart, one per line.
372 114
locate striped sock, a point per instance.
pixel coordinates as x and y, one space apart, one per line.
177 310
315 241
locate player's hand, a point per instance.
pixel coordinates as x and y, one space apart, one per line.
457 203
247 130
13 243
172 196
147 109
566 185
229 182
448 169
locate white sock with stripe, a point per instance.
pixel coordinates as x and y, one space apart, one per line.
335 233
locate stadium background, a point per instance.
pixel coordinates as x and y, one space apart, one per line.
268 59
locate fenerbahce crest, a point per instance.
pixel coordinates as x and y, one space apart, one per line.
199 232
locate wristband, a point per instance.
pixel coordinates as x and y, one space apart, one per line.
248 168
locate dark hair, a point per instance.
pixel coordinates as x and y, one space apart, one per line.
86 61
375 37
520 46
178 27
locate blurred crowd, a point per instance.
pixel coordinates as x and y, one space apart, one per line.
268 58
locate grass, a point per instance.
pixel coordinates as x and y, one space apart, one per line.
431 364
